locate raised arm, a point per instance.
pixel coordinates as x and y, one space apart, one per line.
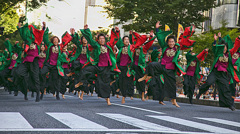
46 37
75 37
140 39
114 37
202 55
88 35
236 46
149 43
161 35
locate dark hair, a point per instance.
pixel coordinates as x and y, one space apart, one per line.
125 37
223 42
101 34
171 37
53 39
81 38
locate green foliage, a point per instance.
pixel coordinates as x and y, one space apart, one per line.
145 13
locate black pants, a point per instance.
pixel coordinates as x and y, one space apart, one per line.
139 74
103 79
126 84
232 88
222 81
155 88
54 77
64 80
155 68
26 71
189 85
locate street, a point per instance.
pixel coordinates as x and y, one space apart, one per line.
92 115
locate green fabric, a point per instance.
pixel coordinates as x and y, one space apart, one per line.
87 34
154 55
191 58
8 45
161 35
19 51
26 34
76 41
49 45
120 46
228 40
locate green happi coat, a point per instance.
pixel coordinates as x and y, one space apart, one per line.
61 57
76 40
120 46
87 34
161 36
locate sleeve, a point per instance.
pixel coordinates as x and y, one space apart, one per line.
76 39
202 55
114 37
140 39
87 34
148 44
236 46
161 35
46 37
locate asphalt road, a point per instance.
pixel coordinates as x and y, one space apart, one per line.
92 115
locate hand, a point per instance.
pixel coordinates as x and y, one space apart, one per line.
191 48
86 26
130 32
158 24
215 37
74 45
117 28
72 30
44 24
151 33
19 25
219 34
7 39
206 49
16 42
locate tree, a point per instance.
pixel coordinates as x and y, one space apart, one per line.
144 14
205 41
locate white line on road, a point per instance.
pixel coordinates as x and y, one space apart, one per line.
136 122
96 130
142 109
226 122
193 124
10 120
75 121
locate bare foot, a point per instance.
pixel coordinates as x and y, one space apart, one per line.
45 91
143 99
147 98
108 101
160 102
78 94
9 79
149 77
78 85
174 102
112 82
89 85
123 100
70 74
143 78
91 94
131 98
63 96
118 96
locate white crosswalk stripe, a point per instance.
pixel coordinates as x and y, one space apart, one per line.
226 122
13 120
136 122
193 124
75 121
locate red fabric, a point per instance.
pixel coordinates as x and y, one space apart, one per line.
113 38
90 48
235 47
66 39
140 39
184 41
148 45
38 34
202 55
26 48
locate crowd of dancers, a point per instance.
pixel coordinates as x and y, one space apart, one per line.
115 65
